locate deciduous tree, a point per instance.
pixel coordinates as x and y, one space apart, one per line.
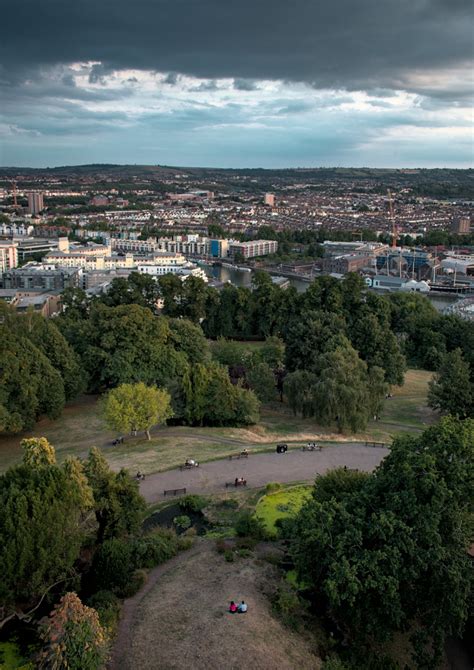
132 407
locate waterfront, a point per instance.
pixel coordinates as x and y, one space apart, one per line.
241 278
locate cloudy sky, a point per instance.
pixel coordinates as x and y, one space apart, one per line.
237 83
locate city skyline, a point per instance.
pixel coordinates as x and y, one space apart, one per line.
311 84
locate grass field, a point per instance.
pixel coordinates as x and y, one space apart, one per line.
81 427
280 505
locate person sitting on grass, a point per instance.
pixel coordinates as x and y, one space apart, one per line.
232 607
242 607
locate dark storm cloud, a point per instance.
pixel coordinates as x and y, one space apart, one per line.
331 43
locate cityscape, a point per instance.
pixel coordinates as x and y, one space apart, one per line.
236 335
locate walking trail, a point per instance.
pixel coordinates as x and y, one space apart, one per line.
260 468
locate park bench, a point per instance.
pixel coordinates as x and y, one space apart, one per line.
173 492
237 456
376 444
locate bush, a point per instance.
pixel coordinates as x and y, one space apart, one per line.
192 503
229 555
288 605
107 606
112 565
271 487
156 547
137 582
244 553
285 526
182 521
185 542
245 543
333 662
248 525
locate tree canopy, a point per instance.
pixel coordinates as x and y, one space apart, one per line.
132 407
388 552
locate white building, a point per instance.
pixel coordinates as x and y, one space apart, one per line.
8 255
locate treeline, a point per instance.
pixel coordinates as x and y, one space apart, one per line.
384 556
70 529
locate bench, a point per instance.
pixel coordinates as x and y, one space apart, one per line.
232 456
174 492
227 484
376 444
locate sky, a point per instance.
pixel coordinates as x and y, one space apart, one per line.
229 83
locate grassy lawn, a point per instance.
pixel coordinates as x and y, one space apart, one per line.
280 505
81 427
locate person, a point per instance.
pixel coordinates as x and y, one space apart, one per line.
236 483
242 607
232 607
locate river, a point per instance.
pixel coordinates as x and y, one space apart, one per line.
240 278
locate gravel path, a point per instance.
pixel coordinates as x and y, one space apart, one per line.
259 469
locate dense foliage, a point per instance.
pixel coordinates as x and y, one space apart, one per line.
387 552
133 407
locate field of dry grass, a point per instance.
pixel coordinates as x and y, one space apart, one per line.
182 622
81 427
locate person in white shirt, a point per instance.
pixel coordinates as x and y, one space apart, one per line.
243 607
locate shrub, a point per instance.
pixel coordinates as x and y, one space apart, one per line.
272 486
156 547
182 521
229 555
185 542
248 525
221 545
192 503
73 637
107 606
246 542
137 581
288 605
112 565
333 662
244 553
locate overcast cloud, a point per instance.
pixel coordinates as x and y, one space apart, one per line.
251 83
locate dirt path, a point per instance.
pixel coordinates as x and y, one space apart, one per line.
261 468
127 618
180 620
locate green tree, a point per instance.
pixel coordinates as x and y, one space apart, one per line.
451 390
73 637
43 522
136 289
118 505
29 385
132 407
341 394
189 338
299 390
272 352
389 553
261 380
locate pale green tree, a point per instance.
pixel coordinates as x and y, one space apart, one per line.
132 407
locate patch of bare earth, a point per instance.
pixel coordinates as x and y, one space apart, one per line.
182 621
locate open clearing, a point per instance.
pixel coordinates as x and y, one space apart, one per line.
81 427
180 620
280 505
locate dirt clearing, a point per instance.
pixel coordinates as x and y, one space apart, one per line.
182 621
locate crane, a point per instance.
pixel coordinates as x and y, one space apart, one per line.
13 183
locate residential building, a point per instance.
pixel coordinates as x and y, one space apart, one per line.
42 277
253 249
8 255
16 229
35 203
461 226
269 200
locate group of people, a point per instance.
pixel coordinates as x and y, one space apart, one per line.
240 481
241 608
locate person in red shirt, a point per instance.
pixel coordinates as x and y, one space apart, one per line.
232 607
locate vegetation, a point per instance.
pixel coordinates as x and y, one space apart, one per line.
132 407
280 505
388 552
452 389
73 637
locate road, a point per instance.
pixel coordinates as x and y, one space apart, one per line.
259 469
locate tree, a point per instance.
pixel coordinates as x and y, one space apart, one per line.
261 380
451 389
189 338
118 505
272 352
389 553
29 385
43 523
73 637
132 407
341 393
299 389
136 289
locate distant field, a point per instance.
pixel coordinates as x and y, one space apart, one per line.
80 427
